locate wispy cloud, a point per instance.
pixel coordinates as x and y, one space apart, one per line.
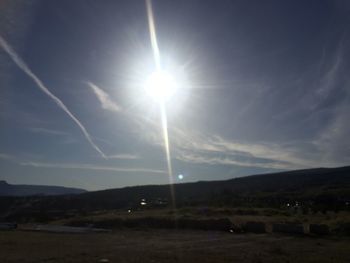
48 131
104 98
5 156
124 156
198 147
92 167
333 141
210 149
23 66
229 160
330 77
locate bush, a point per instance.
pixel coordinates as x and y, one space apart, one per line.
319 229
254 227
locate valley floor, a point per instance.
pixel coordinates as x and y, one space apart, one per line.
169 246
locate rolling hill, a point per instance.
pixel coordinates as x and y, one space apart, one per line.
321 188
275 187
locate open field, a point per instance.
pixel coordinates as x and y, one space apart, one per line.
216 218
169 246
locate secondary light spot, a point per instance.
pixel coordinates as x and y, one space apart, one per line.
143 202
180 176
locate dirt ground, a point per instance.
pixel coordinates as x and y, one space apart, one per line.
169 246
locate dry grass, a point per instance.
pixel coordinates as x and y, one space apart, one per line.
238 216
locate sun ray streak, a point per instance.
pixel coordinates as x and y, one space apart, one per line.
167 149
152 32
164 122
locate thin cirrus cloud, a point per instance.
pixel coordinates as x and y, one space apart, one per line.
48 131
92 167
23 66
197 147
124 156
5 156
278 156
200 148
202 159
293 155
104 98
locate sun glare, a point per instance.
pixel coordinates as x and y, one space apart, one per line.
161 86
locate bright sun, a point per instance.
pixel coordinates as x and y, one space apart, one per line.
161 86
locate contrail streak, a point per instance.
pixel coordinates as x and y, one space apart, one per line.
23 66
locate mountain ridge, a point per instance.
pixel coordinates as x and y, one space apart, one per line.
7 189
318 189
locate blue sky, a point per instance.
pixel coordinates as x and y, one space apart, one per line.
263 87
